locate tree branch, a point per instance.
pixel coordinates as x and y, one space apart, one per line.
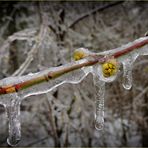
93 58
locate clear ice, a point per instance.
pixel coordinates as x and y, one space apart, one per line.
12 101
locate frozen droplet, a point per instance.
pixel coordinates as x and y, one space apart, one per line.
99 122
99 97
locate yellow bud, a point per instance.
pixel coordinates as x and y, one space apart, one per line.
79 54
110 65
110 68
105 66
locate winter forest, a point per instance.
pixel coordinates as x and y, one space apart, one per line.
74 74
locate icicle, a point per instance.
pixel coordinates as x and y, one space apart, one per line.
99 95
127 70
127 75
13 113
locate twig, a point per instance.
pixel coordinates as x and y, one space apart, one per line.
21 35
37 141
93 11
8 22
139 96
52 122
27 34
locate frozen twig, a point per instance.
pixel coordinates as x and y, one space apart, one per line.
26 34
90 61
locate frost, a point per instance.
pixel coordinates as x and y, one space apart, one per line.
12 101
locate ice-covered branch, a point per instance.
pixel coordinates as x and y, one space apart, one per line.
131 51
104 66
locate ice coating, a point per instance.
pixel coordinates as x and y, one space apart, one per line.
141 51
12 101
73 77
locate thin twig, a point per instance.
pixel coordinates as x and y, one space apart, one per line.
93 12
37 141
139 96
27 34
8 22
52 121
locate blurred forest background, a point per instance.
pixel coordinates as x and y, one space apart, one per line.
38 35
